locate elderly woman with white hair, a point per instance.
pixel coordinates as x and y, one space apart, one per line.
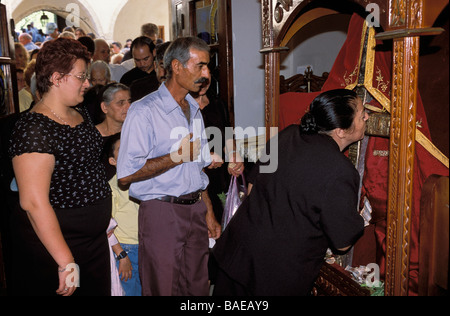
115 102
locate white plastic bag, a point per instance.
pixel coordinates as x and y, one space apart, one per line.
236 194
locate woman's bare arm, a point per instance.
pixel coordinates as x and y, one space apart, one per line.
33 173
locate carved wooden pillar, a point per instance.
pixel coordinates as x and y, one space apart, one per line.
272 11
272 95
401 165
406 25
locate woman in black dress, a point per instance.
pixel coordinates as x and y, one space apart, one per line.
115 102
276 242
64 197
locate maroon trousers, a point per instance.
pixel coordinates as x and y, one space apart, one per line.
173 249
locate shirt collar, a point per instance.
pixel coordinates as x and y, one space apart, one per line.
169 103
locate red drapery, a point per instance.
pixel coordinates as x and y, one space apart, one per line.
345 74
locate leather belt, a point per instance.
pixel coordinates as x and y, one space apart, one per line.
187 199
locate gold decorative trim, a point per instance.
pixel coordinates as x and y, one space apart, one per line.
348 80
381 153
382 85
381 97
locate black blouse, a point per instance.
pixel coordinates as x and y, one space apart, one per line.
79 177
276 242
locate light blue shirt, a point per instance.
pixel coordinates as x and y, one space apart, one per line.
31 46
154 127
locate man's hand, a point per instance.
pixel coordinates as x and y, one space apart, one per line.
188 151
217 161
214 228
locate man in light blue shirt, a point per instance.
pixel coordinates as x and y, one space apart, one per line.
26 40
163 152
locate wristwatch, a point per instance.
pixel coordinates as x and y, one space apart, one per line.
122 255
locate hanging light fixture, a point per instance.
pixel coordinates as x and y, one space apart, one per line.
44 19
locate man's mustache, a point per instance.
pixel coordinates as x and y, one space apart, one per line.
201 80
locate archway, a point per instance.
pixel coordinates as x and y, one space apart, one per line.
76 12
139 12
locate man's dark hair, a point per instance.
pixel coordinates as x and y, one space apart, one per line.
110 145
142 41
88 43
161 50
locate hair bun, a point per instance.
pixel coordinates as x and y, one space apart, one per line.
308 124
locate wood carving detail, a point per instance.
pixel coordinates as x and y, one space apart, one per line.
391 232
412 45
332 281
267 93
286 4
397 14
401 173
416 14
266 23
406 13
282 5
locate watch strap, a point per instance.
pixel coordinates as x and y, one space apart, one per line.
122 255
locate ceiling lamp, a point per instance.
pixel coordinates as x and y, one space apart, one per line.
44 19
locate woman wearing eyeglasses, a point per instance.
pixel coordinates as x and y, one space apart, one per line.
65 200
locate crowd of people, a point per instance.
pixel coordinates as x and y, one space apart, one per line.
111 202
89 90
29 42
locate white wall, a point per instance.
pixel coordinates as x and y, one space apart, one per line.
138 12
317 45
248 64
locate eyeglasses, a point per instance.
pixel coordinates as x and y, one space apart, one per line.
82 77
